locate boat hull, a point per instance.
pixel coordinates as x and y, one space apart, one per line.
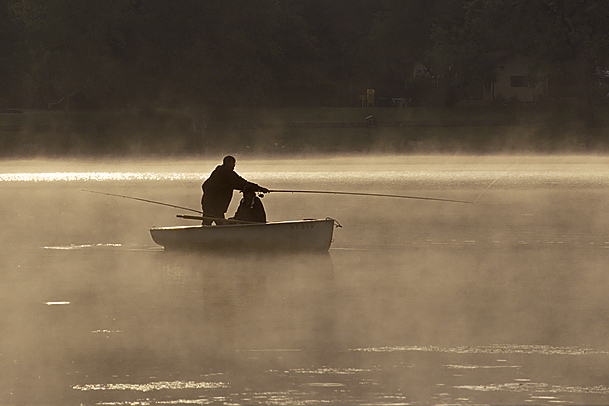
305 235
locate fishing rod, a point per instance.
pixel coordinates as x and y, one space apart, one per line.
498 177
280 191
229 220
184 216
144 200
369 194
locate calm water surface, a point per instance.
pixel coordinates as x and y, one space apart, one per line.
503 301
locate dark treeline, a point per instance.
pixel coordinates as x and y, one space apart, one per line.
210 54
126 73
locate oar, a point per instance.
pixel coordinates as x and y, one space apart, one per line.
144 200
189 217
368 194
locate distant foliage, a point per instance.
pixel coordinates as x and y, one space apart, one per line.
213 54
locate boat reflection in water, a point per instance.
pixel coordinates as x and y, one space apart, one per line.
248 302
216 320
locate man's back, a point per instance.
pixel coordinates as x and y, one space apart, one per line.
219 186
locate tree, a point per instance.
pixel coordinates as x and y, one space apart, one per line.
566 36
205 52
75 47
399 37
11 56
410 32
575 37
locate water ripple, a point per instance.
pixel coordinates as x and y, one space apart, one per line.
327 370
151 386
102 246
491 349
452 366
536 387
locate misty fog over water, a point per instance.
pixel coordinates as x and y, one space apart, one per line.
502 301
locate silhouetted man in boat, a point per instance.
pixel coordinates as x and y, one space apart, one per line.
250 208
218 190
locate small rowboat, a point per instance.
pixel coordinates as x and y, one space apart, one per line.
303 235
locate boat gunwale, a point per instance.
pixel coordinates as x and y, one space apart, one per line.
237 225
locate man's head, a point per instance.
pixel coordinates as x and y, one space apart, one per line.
229 161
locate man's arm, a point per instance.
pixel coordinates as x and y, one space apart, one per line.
238 183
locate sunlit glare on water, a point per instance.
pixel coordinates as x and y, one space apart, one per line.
455 170
598 177
95 176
